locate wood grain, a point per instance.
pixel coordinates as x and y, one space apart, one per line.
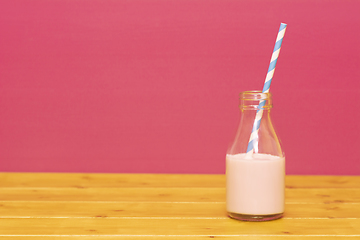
158 180
79 180
140 226
151 206
41 209
184 237
293 195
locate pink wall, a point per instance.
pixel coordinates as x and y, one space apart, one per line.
152 85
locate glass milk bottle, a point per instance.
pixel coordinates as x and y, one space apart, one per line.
255 181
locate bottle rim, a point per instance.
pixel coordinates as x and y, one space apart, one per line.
255 95
254 100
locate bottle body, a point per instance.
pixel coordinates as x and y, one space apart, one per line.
255 180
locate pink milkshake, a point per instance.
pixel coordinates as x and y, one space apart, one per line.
255 187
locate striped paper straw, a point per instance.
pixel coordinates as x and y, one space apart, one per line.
269 76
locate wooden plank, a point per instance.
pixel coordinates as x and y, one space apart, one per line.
205 227
333 210
114 194
293 195
186 237
293 181
158 180
322 195
171 210
80 180
95 209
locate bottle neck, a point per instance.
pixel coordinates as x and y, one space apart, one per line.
255 100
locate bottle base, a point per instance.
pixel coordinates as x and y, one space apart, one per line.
255 218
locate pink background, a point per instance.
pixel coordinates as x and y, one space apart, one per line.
152 85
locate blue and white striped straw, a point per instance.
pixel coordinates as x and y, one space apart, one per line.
254 134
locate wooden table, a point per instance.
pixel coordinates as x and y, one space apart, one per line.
140 206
